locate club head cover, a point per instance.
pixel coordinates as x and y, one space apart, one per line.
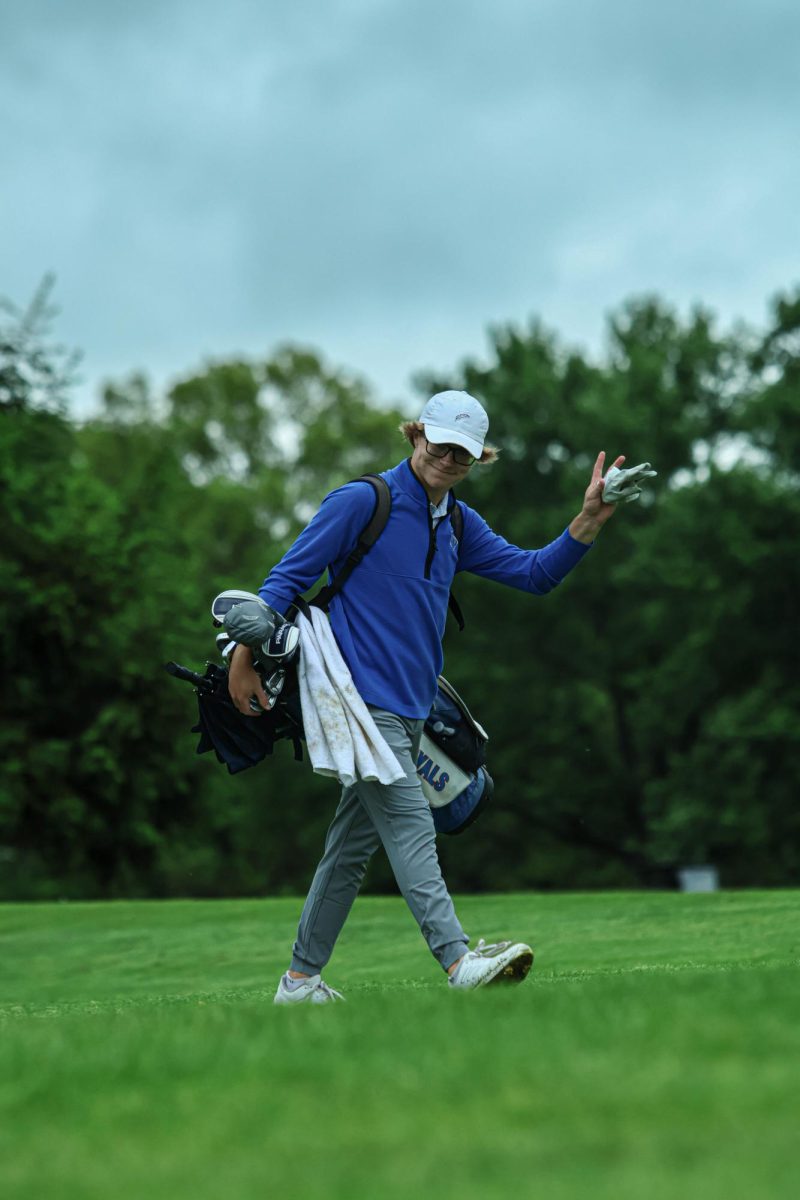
281 645
624 484
251 622
225 601
224 643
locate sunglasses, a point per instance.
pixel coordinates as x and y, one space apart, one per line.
460 455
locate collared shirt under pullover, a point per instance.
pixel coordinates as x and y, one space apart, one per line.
390 616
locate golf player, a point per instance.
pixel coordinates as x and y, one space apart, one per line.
388 621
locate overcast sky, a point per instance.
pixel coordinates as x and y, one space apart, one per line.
384 179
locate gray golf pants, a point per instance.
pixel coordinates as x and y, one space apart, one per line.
397 815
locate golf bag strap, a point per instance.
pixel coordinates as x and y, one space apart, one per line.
455 609
457 525
367 539
301 606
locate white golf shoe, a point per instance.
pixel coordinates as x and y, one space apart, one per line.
312 991
498 962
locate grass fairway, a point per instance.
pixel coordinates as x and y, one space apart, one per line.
654 1052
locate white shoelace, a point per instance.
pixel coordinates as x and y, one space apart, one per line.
330 992
484 947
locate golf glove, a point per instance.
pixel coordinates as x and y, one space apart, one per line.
625 484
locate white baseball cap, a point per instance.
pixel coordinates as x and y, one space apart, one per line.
457 418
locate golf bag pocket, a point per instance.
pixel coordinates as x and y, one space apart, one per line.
450 762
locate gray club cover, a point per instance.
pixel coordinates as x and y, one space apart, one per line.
624 484
253 623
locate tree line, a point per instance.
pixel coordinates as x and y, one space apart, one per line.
642 717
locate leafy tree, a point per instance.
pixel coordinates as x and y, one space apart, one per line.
34 372
611 700
118 534
767 412
643 716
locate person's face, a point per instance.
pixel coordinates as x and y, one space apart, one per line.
437 474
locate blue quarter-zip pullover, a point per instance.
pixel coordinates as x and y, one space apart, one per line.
389 618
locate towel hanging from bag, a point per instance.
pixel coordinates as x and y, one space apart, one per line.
342 739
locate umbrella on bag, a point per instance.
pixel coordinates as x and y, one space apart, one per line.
239 741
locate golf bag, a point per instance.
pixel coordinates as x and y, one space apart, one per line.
451 763
239 741
451 759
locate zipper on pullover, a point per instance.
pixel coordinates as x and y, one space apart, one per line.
432 531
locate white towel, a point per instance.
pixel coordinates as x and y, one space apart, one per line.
341 736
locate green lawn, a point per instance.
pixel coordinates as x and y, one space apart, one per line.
654 1051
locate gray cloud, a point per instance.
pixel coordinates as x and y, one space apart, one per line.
386 179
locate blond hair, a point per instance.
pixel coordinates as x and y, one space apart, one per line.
412 429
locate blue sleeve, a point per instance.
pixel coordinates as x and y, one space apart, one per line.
484 552
331 533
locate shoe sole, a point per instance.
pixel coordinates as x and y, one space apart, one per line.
515 971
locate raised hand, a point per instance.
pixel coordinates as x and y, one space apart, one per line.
595 512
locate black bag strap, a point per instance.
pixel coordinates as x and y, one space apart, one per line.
455 609
457 525
367 539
